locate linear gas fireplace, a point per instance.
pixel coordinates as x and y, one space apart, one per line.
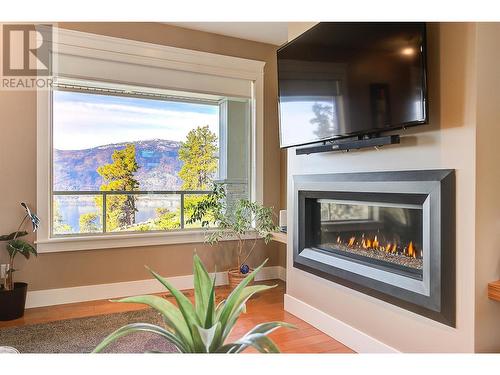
387 234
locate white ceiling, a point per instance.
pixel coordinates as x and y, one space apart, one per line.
266 32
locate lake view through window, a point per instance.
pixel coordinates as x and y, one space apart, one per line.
134 164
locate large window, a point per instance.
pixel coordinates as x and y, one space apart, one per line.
132 134
132 159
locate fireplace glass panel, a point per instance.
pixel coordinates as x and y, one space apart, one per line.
383 234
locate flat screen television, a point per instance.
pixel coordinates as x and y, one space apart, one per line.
343 79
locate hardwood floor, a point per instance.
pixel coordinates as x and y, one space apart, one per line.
267 306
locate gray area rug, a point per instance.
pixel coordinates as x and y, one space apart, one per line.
84 334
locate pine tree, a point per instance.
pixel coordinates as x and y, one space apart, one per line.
198 153
119 176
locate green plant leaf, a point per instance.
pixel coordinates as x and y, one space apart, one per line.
219 307
203 291
185 306
171 314
238 307
198 344
210 314
22 247
231 322
140 327
207 335
8 237
265 329
216 342
228 306
258 341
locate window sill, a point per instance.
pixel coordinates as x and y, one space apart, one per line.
62 244
113 241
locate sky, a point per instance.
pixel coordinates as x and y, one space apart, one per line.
82 121
296 118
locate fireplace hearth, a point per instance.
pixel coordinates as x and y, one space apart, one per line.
386 234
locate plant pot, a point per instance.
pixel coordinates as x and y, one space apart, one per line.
235 277
12 302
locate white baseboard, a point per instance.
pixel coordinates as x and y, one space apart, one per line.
272 272
51 297
340 331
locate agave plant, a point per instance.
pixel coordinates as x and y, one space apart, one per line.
202 327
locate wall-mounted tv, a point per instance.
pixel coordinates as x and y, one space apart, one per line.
343 79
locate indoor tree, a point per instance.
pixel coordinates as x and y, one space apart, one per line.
234 220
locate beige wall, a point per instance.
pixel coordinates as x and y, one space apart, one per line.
447 142
487 334
18 172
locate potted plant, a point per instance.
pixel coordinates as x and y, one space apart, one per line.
13 295
238 220
202 327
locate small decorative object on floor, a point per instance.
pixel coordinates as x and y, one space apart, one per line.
13 295
203 327
234 220
244 269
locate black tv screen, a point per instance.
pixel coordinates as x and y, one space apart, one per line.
342 79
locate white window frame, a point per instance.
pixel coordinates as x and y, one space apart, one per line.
97 48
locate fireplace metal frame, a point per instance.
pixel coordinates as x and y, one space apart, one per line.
434 295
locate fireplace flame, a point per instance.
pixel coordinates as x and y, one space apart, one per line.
411 250
374 243
366 244
351 241
394 248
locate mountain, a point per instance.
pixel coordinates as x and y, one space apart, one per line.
158 161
